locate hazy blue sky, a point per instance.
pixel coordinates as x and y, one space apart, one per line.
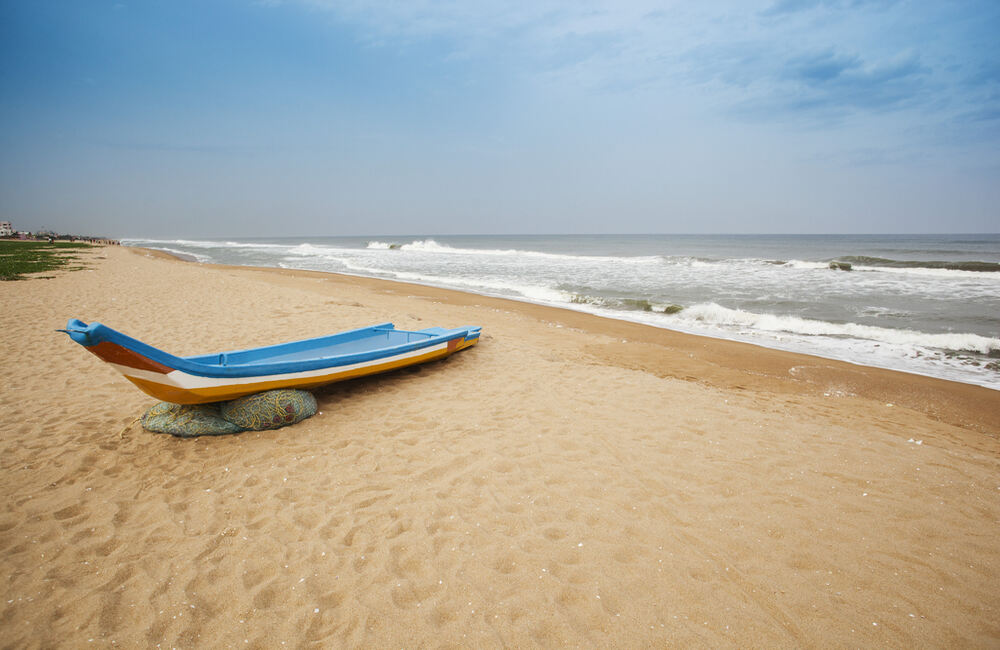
240 118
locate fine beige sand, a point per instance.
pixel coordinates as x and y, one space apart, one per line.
569 482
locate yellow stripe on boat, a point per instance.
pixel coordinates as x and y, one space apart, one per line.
179 394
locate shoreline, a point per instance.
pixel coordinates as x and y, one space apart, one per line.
914 320
958 403
569 481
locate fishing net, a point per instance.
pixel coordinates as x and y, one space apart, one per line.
187 420
270 410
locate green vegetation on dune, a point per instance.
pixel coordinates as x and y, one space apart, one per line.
20 257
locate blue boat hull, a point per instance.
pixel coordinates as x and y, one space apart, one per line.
300 364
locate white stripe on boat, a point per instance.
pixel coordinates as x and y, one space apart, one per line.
186 381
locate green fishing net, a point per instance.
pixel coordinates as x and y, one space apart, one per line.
269 410
187 420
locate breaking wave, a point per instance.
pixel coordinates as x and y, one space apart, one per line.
506 288
432 246
382 245
713 314
185 255
625 304
202 243
881 262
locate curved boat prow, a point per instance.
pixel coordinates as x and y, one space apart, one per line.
129 356
78 331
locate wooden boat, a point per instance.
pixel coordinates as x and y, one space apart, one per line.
299 364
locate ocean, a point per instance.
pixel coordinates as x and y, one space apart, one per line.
925 304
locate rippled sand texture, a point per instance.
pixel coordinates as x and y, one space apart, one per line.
554 486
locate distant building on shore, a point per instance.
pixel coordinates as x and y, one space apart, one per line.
7 230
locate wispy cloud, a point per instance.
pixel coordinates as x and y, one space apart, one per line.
814 60
823 67
833 81
784 7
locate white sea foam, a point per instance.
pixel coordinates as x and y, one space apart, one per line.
432 246
236 244
197 243
980 276
308 249
529 292
713 314
902 356
882 312
801 264
197 256
175 242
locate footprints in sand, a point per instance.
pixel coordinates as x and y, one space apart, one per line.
505 564
399 528
68 512
554 534
406 561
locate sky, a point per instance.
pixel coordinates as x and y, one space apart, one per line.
241 118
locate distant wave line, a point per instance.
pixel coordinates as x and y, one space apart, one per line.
864 260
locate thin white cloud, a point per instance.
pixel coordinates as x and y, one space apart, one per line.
808 61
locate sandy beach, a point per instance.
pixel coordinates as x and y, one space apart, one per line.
572 481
